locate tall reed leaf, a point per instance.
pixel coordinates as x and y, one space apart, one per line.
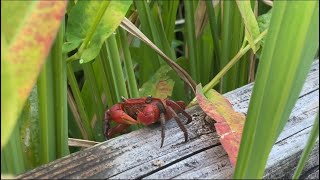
231 41
27 43
290 47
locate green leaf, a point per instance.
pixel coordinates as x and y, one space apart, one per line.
28 44
290 46
159 86
81 19
263 23
250 22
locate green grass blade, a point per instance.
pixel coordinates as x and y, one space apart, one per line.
214 32
289 50
78 99
109 73
99 66
132 83
148 66
191 39
168 13
231 41
46 113
117 75
161 32
60 94
12 154
76 117
96 95
307 150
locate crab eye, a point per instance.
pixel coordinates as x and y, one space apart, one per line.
148 99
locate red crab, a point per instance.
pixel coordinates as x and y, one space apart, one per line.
146 111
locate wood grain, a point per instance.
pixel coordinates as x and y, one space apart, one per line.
137 155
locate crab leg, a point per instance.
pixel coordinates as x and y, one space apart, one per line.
162 120
178 108
119 128
181 126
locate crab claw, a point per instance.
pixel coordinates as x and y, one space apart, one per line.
117 114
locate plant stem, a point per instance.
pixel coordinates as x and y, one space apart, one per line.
234 60
76 115
91 31
46 114
191 39
133 90
105 83
60 94
214 30
77 97
96 95
116 66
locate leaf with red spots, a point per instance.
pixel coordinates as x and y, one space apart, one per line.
229 123
159 85
27 32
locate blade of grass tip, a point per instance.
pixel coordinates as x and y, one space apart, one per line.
191 39
46 114
133 88
96 95
117 68
60 93
307 150
276 91
131 28
76 115
78 99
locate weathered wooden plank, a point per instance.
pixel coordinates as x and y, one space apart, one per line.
137 154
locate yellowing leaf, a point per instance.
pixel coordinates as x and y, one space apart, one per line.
160 85
27 47
250 22
229 123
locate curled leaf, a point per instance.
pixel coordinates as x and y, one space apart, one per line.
229 123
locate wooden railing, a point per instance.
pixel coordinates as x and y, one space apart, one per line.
137 155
